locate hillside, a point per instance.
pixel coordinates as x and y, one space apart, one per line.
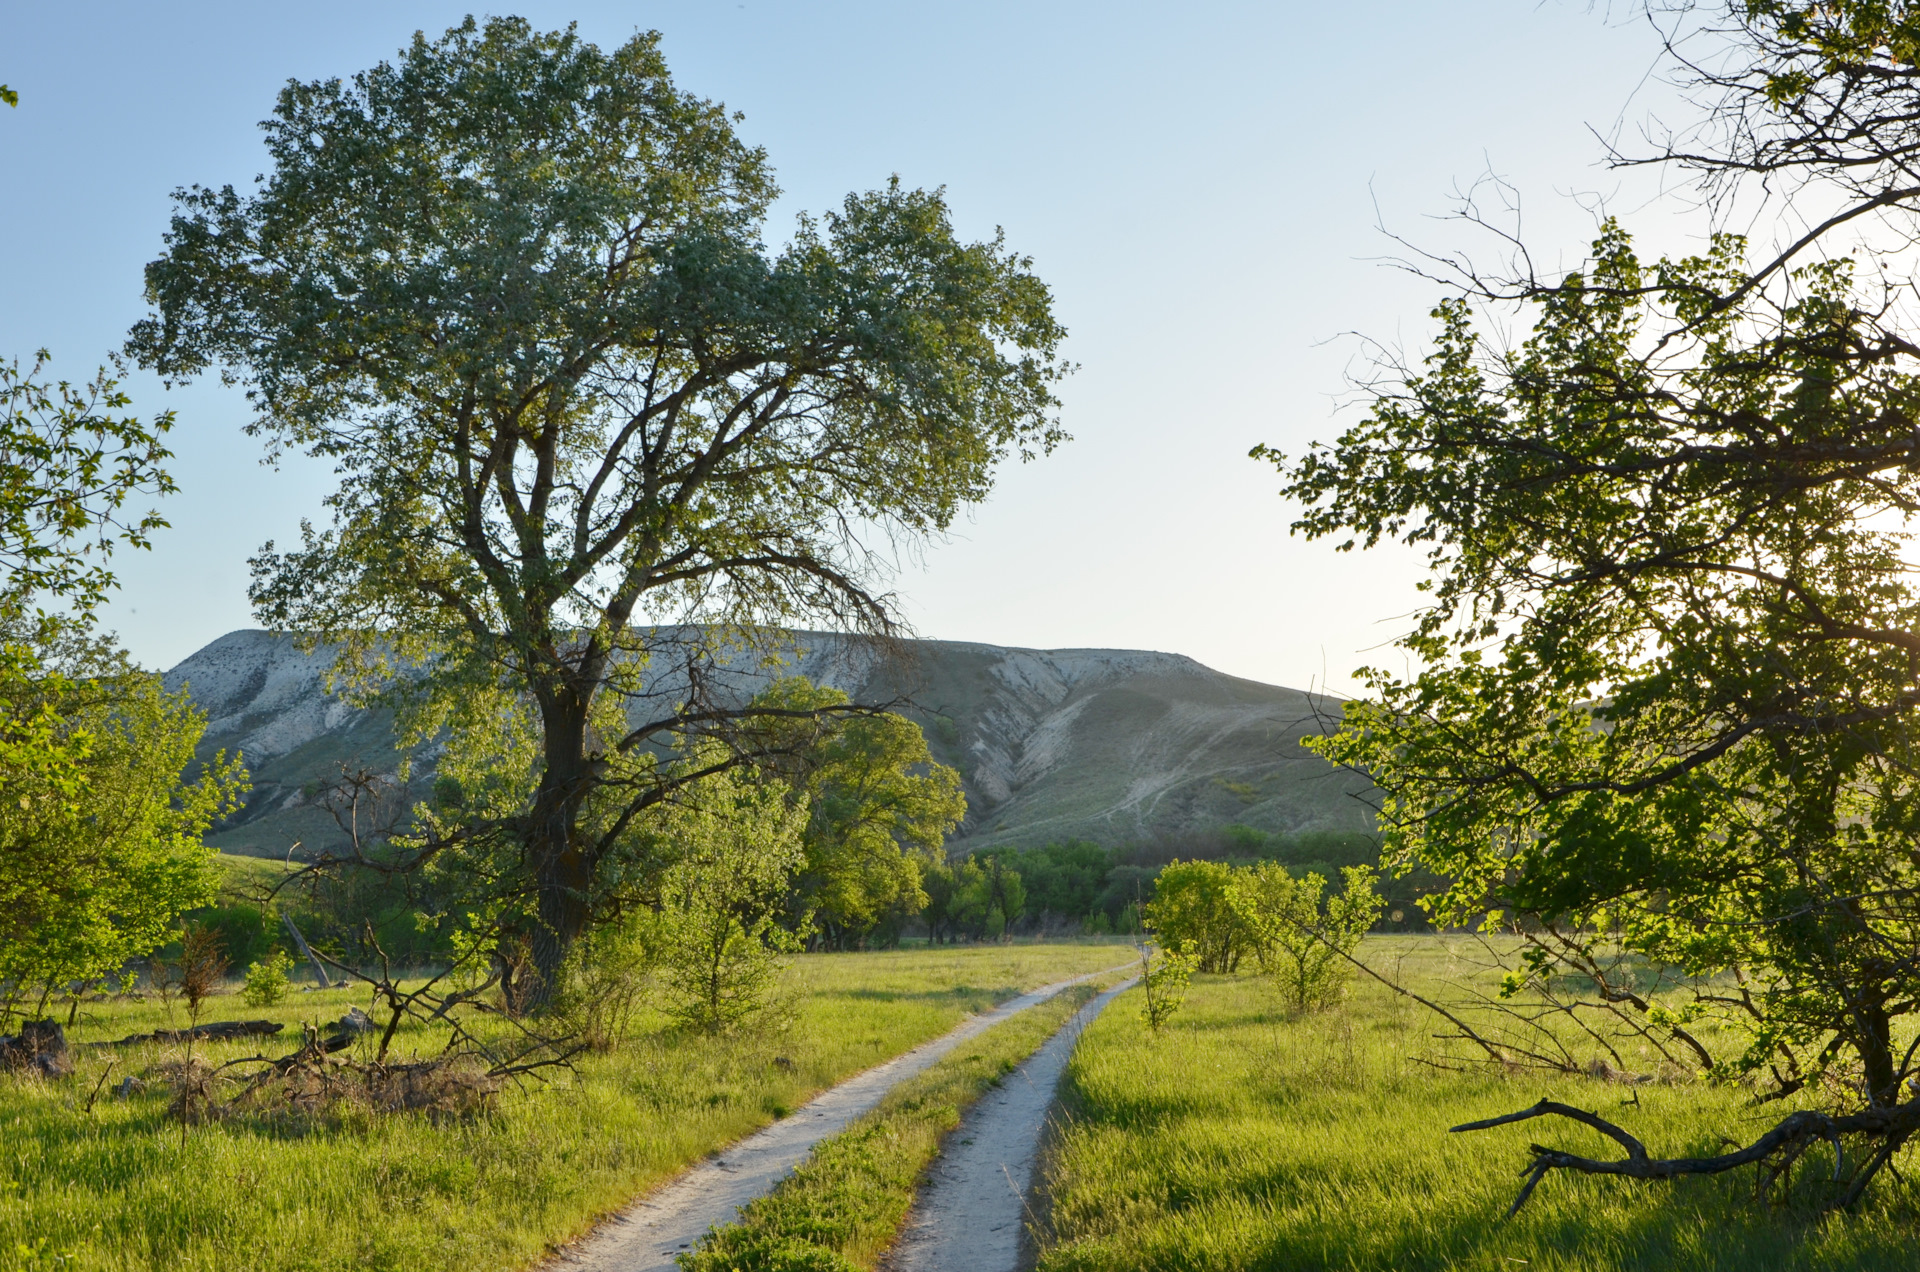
1111 745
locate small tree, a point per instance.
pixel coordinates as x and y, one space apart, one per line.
267 979
879 811
717 934
1164 976
1193 902
1302 936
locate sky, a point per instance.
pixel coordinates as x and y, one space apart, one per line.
1208 189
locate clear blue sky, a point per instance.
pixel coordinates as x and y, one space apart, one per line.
1197 182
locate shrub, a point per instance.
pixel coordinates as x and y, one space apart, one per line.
1302 936
1193 905
267 979
202 966
607 975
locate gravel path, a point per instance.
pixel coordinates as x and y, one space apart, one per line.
647 1235
971 1213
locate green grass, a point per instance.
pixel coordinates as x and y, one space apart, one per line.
121 1188
1242 1139
844 1206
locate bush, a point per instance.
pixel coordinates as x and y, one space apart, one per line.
607 975
1302 936
267 979
1193 905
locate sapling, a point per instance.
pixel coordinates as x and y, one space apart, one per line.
1164 975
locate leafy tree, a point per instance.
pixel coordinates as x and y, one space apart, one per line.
999 897
516 289
944 886
100 854
1193 901
1669 658
99 839
1065 879
879 809
1302 936
717 938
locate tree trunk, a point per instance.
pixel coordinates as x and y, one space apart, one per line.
1874 1042
562 869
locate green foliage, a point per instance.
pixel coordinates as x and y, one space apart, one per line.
717 939
585 402
1302 936
246 933
978 897
1193 904
879 810
72 458
1165 974
101 852
1666 701
267 979
1064 879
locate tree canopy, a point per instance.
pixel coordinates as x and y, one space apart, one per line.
1664 691
516 288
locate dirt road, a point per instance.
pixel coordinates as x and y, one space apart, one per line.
647 1235
971 1215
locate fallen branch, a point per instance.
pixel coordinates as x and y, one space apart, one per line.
1891 1127
220 1029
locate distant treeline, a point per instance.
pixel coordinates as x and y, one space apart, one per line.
1071 887
1082 886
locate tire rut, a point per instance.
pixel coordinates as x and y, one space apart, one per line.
971 1213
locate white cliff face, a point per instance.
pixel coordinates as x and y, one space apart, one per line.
1112 745
260 693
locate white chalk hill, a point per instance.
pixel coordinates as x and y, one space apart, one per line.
1110 745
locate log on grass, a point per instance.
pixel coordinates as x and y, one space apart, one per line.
216 1030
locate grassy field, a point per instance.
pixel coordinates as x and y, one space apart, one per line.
121 1187
1243 1139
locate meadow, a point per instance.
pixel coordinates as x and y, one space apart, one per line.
1242 1138
117 1184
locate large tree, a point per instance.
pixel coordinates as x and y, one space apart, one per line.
1665 694
515 289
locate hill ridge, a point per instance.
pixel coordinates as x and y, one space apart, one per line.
1112 745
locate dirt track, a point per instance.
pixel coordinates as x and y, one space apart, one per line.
971 1215
647 1235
